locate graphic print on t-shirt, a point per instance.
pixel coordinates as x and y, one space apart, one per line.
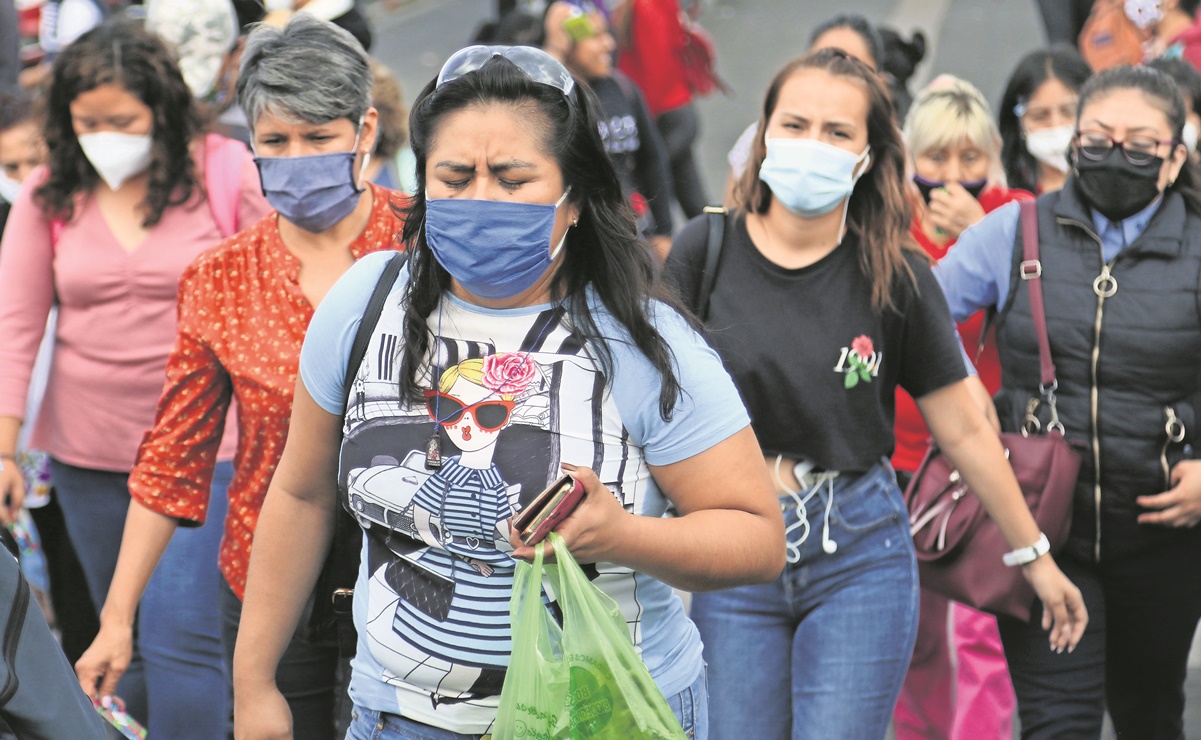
438 565
859 363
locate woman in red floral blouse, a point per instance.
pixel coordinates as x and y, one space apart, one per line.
244 308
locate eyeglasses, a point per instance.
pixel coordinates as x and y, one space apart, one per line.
1043 115
491 414
1138 150
535 63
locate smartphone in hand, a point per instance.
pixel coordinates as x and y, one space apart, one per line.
548 509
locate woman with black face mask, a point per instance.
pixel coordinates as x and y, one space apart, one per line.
1120 254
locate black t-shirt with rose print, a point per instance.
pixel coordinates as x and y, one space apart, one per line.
816 366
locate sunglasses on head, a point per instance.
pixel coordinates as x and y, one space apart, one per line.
490 415
535 63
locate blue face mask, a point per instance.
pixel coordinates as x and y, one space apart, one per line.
314 192
494 249
809 177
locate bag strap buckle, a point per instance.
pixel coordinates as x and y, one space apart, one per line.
1030 269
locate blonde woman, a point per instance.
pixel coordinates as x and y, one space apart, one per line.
955 156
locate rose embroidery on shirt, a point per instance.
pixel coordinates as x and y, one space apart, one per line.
859 363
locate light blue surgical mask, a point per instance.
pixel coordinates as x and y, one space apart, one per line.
810 177
495 249
315 191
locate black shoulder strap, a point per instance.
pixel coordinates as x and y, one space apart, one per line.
375 307
13 627
717 236
331 614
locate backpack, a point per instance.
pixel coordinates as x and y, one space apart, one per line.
695 285
332 616
1109 38
222 184
40 697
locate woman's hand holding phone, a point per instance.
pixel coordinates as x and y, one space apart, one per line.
591 532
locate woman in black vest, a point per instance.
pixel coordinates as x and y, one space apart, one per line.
1120 248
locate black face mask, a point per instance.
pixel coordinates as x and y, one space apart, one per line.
1114 186
926 187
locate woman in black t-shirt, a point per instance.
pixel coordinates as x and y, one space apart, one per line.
820 309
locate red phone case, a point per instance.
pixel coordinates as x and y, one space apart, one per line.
537 520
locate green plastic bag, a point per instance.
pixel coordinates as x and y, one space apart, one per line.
583 681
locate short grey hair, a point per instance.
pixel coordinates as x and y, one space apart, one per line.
310 70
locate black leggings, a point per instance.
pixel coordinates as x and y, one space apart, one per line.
1143 610
679 129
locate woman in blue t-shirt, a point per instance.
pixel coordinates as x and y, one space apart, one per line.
523 339
821 308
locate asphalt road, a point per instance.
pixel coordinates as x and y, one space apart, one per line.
979 40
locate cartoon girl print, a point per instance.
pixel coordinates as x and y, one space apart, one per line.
462 513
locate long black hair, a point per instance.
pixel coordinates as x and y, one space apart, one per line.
1161 91
602 252
1060 62
120 53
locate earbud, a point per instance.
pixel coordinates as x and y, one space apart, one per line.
829 546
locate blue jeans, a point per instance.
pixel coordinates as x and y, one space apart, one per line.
177 680
822 651
690 707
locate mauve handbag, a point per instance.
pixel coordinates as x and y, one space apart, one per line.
959 548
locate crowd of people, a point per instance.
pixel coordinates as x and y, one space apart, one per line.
246 288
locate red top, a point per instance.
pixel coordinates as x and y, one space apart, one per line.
242 320
912 435
653 59
1189 42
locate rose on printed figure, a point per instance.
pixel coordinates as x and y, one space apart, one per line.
508 372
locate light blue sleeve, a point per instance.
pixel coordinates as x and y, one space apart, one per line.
709 409
975 273
331 333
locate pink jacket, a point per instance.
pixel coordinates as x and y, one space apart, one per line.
116 320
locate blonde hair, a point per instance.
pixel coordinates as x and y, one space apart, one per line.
472 371
948 112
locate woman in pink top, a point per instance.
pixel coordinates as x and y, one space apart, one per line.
133 193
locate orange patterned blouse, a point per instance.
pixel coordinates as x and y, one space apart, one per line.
242 319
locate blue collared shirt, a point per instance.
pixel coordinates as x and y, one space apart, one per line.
975 273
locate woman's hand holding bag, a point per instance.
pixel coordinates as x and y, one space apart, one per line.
583 680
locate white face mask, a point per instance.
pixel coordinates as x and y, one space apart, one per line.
117 157
1189 136
1050 146
1144 13
9 189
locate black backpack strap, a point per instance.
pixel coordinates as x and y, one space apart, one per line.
13 626
375 307
717 235
335 585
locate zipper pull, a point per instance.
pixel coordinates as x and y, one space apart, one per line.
1106 285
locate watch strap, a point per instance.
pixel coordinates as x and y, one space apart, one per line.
1027 555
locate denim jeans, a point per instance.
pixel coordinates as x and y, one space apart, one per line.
822 651
307 675
177 682
690 707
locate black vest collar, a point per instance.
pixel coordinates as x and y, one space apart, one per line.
1162 237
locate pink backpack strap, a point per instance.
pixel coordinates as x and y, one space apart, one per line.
223 180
